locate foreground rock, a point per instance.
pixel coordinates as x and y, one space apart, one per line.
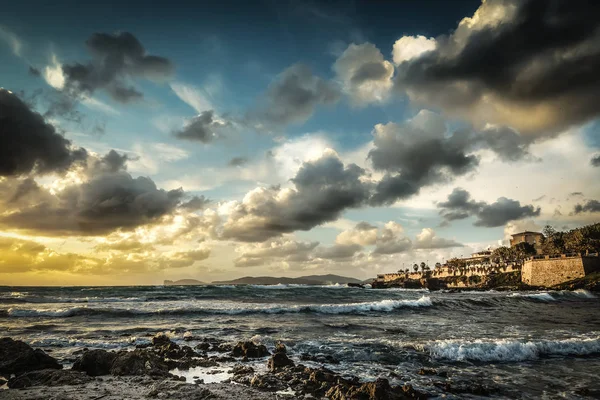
49 377
250 350
17 357
95 362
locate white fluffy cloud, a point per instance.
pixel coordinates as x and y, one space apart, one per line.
365 75
408 47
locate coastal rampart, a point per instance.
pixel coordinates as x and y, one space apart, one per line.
448 272
553 270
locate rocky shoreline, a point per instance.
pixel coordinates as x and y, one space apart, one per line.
147 373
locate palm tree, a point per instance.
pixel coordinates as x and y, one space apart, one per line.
416 267
423 265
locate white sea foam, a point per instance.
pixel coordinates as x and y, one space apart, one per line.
510 349
544 296
226 308
583 293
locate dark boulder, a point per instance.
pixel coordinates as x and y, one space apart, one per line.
49 377
95 362
278 361
250 350
160 339
267 382
139 362
17 357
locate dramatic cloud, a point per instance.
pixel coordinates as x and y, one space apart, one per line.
366 77
204 128
323 189
415 154
408 47
591 206
28 144
505 142
117 59
460 206
528 64
427 239
196 203
293 96
99 205
363 234
392 240
595 161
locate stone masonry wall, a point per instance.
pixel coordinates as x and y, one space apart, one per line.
552 271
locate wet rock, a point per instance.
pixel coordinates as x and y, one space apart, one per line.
378 390
49 377
139 362
280 348
466 387
222 347
160 339
2 381
204 346
17 357
267 382
95 362
427 371
199 381
240 369
278 361
250 350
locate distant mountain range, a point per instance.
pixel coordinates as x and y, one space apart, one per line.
269 280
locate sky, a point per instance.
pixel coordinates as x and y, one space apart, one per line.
166 140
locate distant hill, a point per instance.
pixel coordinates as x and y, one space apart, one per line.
303 280
182 282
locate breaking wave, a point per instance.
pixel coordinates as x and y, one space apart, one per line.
510 350
344 308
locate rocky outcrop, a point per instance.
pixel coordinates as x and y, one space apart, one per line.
250 350
378 390
279 361
49 377
17 357
95 362
139 362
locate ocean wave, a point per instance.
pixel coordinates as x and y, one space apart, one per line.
544 296
344 308
510 349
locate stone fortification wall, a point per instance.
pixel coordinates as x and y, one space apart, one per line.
553 270
440 273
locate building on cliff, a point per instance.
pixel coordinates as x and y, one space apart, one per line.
533 238
548 270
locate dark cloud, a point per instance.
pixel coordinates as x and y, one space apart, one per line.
292 97
595 161
203 128
324 188
237 161
196 203
416 154
591 206
100 205
460 206
505 142
28 144
504 210
530 64
116 59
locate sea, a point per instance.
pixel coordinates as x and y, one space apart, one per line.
530 345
